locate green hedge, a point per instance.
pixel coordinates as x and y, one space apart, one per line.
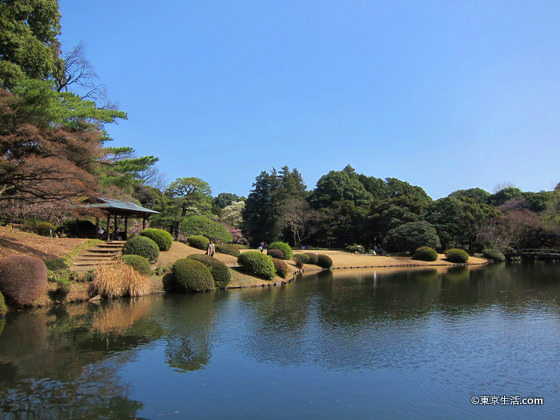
425 253
281 267
275 253
39 227
324 261
456 255
257 263
228 249
203 226
190 275
139 263
493 254
145 247
312 258
161 237
197 241
78 229
3 307
301 260
220 272
355 249
284 247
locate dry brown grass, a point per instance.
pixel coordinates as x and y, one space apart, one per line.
118 280
16 242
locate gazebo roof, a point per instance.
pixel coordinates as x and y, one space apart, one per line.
117 206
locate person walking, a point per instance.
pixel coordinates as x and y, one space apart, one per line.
261 247
211 248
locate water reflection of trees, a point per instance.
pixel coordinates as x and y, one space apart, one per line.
62 362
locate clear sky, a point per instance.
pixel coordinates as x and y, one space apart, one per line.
442 94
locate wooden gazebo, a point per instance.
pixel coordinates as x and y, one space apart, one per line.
117 209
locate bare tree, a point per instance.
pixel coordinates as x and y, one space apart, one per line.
76 74
296 215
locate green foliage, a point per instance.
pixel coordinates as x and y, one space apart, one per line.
220 272
257 263
456 255
197 241
355 249
223 200
190 276
63 287
493 254
261 214
229 249
412 235
336 186
479 195
28 40
312 258
202 225
275 253
139 263
3 307
162 270
458 221
324 261
39 227
161 237
425 253
123 169
143 246
280 267
22 279
56 264
504 195
286 249
301 260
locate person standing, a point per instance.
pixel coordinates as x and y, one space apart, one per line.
211 248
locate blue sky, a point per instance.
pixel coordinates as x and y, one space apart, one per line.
442 94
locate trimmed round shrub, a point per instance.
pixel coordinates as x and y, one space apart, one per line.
203 226
275 253
324 261
355 249
301 260
161 237
78 229
284 247
228 249
3 307
257 263
220 272
493 254
191 276
281 267
239 246
139 263
312 258
23 279
197 241
456 255
412 235
145 247
425 253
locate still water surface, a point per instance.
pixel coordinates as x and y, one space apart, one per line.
408 345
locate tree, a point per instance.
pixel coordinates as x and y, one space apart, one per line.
339 186
232 215
50 143
504 195
121 167
410 236
29 46
477 194
263 206
187 196
458 221
296 215
223 200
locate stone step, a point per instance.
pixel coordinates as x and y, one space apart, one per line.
91 263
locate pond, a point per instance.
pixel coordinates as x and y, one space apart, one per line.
353 345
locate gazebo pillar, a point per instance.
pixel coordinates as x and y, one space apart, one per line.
143 222
108 226
125 228
115 237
